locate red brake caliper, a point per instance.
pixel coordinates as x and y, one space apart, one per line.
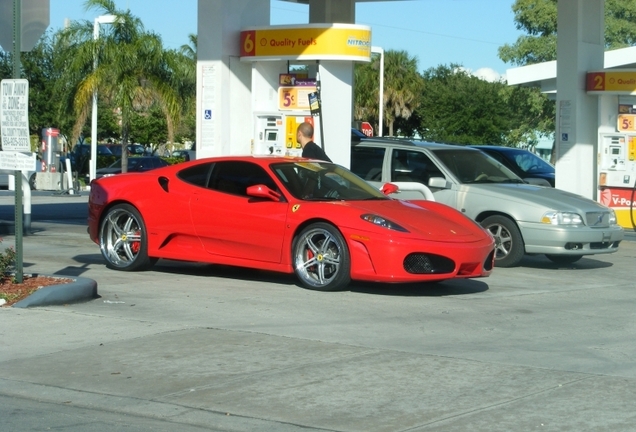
136 245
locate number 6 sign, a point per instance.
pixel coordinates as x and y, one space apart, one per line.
248 47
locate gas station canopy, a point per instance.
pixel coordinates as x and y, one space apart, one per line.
544 74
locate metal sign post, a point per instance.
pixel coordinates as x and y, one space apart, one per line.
14 129
315 107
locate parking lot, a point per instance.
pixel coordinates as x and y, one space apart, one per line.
201 347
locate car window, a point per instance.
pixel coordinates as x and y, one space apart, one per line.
314 181
412 166
366 162
234 177
475 167
133 162
197 175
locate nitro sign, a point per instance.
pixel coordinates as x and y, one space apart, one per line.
14 115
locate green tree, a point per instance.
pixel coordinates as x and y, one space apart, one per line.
461 108
37 67
458 107
366 92
149 127
132 71
402 86
184 65
189 50
538 18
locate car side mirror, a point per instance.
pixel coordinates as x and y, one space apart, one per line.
389 188
438 183
262 191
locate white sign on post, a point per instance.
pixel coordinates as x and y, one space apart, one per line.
16 161
14 115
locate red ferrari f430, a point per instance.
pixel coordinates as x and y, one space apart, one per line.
291 215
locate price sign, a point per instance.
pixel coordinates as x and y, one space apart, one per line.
294 98
14 115
627 122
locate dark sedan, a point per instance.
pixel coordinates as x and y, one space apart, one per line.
135 164
527 165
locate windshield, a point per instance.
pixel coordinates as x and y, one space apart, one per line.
318 181
475 167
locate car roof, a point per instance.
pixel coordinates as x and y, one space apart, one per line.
499 148
405 142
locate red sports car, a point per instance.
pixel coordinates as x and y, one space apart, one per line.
282 214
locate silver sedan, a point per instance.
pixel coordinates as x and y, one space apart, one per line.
523 218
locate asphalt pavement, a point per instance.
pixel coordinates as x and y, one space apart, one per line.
194 347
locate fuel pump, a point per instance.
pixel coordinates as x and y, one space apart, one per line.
50 176
617 175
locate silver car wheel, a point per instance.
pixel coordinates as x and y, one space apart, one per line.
509 247
503 240
122 239
321 258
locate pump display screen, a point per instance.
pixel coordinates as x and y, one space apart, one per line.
271 135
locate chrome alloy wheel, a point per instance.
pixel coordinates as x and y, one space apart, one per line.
121 237
503 240
321 258
509 247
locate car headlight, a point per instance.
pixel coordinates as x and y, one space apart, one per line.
383 222
612 217
562 218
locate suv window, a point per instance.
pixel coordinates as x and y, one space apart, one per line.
366 162
412 166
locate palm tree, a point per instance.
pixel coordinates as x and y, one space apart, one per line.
132 70
402 86
184 65
190 50
365 95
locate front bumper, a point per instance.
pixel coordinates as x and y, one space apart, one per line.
559 240
399 259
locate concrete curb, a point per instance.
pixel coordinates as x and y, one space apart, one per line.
81 290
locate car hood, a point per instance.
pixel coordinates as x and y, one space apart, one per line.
437 223
546 198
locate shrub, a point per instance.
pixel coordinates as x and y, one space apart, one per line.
7 261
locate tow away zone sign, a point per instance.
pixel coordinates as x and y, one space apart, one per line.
14 115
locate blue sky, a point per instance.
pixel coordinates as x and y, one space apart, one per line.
466 32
